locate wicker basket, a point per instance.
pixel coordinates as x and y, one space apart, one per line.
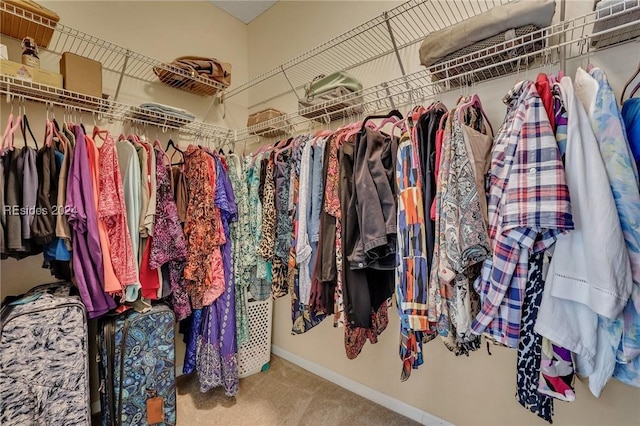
490 51
254 355
264 116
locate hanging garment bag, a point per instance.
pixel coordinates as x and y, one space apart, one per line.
137 368
44 359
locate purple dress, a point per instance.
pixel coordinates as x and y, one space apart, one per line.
87 254
217 360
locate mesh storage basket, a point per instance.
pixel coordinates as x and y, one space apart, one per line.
254 355
490 51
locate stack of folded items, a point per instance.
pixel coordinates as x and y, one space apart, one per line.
162 114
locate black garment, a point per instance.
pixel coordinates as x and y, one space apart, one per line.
326 270
363 289
427 126
375 201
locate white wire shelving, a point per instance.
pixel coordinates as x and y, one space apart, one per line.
113 58
563 41
17 90
388 34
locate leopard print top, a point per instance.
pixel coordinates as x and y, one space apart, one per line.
268 241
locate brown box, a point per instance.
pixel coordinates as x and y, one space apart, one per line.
26 18
263 116
81 75
27 73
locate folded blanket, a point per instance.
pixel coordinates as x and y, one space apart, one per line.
497 20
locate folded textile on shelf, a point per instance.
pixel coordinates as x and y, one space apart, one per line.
162 114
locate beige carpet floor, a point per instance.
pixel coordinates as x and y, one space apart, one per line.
284 395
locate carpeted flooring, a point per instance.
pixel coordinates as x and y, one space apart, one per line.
284 395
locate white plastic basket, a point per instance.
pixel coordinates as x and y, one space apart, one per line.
254 355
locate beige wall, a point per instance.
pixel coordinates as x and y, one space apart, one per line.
474 390
478 390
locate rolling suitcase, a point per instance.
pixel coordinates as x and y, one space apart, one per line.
137 368
44 359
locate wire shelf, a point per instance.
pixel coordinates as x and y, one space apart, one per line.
113 58
103 108
568 39
402 26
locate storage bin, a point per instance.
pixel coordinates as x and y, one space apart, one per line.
267 130
26 18
254 355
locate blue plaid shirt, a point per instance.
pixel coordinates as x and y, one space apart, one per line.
528 208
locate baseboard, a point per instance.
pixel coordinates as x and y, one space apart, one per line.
371 394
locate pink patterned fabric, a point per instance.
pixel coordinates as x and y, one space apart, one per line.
111 210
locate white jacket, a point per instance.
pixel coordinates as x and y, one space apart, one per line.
590 273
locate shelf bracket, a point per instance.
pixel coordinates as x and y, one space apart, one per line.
395 45
293 89
124 68
563 49
386 88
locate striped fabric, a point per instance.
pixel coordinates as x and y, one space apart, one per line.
528 208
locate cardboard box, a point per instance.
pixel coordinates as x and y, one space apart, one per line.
82 75
27 73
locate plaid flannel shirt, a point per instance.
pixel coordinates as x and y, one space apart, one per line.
528 208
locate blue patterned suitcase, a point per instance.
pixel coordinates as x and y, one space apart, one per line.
137 368
44 358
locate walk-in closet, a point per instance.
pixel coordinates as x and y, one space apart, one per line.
320 212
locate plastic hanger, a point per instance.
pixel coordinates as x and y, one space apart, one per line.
474 102
9 133
49 131
628 83
392 113
24 127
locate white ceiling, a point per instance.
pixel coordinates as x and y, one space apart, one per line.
246 11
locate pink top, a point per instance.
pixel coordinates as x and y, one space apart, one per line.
111 212
111 282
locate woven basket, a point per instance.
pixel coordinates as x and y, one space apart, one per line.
256 119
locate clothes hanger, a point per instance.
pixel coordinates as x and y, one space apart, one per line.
392 113
474 102
628 83
49 131
9 132
24 127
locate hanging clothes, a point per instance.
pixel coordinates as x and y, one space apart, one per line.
217 362
204 269
131 182
525 163
88 265
241 249
111 211
169 246
412 272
